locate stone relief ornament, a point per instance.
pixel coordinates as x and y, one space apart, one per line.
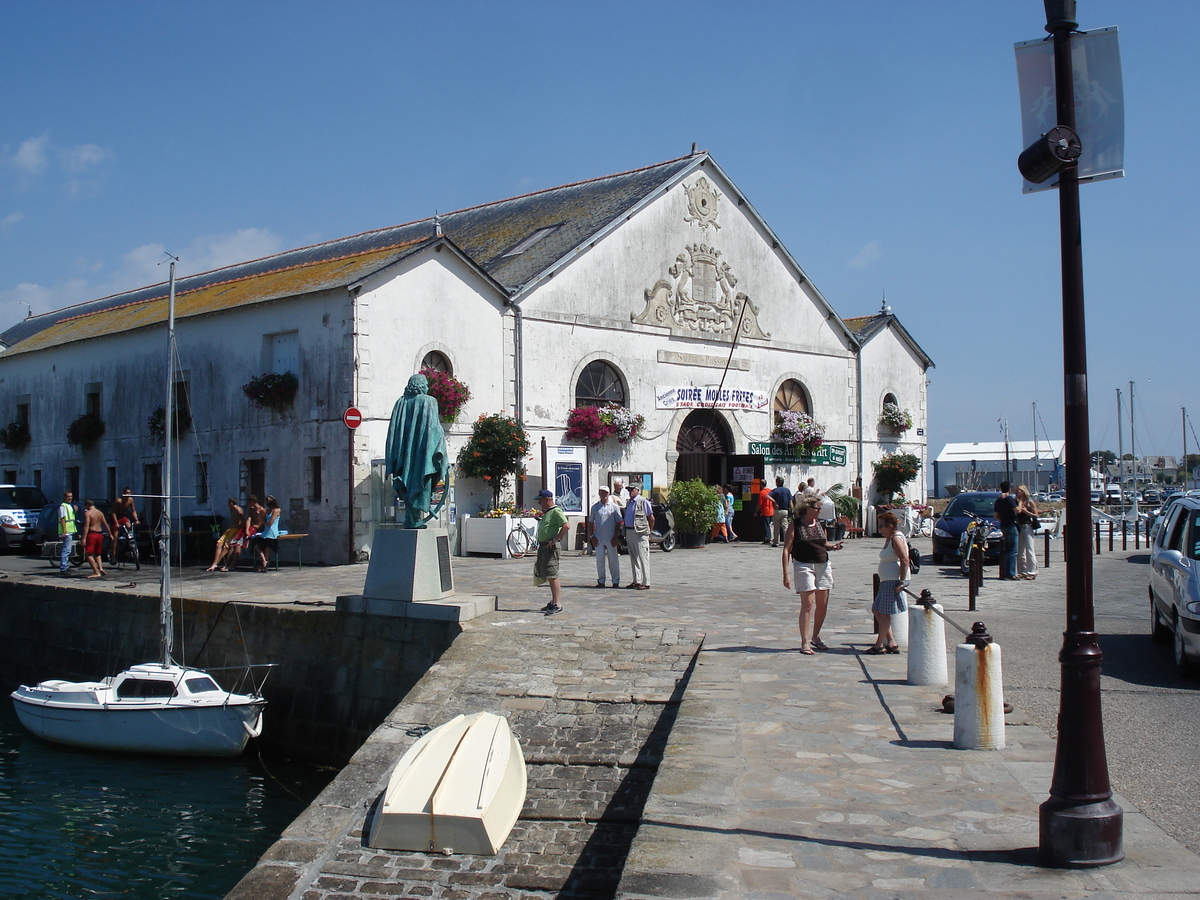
700 297
702 200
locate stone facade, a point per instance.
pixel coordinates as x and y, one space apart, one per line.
652 273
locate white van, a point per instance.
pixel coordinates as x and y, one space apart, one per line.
19 508
1112 493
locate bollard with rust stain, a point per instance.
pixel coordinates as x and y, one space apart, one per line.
978 693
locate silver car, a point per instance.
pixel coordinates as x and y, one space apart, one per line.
1175 583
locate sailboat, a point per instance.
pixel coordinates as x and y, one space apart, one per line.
157 707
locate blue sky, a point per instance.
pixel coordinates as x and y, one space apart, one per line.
878 139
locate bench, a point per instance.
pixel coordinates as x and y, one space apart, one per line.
283 541
852 530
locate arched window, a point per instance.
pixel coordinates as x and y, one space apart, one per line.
599 384
792 397
437 361
890 398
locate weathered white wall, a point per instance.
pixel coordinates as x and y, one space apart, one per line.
890 366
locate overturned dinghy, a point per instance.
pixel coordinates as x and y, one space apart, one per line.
459 789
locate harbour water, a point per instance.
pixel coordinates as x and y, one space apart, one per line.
75 824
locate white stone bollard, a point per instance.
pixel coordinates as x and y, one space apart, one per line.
900 627
978 696
926 645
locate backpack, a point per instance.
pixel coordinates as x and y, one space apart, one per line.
914 559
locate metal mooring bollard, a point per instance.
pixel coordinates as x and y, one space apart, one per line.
926 642
978 693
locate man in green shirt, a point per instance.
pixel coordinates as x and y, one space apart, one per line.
552 526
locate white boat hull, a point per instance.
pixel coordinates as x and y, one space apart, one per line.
95 716
459 789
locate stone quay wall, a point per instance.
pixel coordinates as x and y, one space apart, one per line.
337 675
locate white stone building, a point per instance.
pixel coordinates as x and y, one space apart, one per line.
650 289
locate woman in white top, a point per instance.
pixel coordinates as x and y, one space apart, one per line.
893 575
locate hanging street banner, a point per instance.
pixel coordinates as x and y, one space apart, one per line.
709 397
825 455
1099 101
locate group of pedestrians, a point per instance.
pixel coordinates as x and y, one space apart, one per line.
256 528
1017 516
96 528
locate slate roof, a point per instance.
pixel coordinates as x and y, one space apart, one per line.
866 327
483 233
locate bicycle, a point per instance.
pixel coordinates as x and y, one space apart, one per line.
521 540
125 548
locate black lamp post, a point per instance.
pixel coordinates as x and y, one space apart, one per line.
1080 825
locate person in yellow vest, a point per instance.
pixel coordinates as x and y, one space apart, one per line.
66 531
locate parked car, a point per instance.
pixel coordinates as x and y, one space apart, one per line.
1175 584
948 529
19 505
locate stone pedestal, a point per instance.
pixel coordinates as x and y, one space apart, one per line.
409 565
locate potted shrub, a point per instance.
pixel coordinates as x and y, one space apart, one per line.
894 471
495 451
844 505
450 393
85 430
272 390
15 436
694 505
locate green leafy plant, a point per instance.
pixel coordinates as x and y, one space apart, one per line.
15 436
844 504
272 390
694 505
85 430
450 393
896 470
495 451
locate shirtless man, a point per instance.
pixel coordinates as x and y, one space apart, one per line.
95 529
226 540
123 511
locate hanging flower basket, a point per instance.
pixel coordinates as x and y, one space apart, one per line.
272 390
15 436
85 430
798 429
593 425
157 423
897 419
450 393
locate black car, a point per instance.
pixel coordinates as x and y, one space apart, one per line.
948 529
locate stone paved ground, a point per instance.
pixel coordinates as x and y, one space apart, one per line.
783 775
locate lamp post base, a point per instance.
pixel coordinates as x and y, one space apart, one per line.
1080 836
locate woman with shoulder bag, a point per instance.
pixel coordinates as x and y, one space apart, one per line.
1027 522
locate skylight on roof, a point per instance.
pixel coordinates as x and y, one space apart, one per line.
532 239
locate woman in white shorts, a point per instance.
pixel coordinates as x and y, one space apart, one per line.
806 547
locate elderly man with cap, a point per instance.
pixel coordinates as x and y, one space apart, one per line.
552 527
639 522
603 521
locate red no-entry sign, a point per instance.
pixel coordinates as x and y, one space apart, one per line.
352 417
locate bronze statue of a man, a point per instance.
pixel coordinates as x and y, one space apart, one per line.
416 452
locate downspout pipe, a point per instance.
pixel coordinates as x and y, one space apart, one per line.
858 390
518 385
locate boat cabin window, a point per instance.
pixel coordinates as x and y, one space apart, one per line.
144 688
200 684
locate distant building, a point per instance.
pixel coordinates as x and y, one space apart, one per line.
660 290
981 466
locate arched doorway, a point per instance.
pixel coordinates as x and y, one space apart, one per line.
704 444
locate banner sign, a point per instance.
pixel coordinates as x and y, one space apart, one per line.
825 455
1099 101
709 397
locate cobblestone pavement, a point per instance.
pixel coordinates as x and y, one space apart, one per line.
782 775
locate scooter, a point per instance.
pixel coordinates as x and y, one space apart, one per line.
662 535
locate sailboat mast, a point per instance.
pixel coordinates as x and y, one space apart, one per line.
166 617
1037 461
1133 453
1120 456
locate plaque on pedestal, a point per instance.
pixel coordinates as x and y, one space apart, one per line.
410 565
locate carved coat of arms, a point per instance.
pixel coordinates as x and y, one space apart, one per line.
700 298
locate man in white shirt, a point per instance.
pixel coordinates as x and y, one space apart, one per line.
603 522
639 522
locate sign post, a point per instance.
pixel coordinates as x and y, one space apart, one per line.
352 418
